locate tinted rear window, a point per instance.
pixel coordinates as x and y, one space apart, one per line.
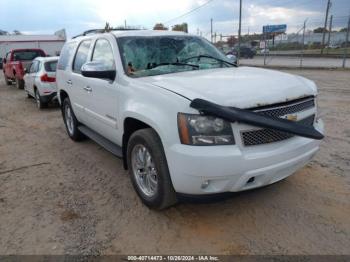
51 66
26 55
65 56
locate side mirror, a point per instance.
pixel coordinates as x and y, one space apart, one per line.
98 70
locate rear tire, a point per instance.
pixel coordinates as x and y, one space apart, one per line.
19 83
39 100
145 144
71 121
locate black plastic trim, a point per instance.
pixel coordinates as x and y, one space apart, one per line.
234 114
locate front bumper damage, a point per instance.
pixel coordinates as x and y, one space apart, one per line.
234 168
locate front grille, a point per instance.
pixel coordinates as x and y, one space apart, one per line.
266 135
286 108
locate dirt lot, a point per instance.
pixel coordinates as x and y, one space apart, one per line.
59 197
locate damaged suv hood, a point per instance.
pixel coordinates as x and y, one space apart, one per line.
241 87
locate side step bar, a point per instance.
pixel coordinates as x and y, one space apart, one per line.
105 143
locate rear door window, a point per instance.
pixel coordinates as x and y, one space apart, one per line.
81 56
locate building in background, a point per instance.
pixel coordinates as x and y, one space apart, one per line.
51 44
310 38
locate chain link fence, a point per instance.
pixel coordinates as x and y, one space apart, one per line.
307 47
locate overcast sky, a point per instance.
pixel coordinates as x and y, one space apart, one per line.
47 16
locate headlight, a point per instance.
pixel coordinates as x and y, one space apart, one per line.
202 130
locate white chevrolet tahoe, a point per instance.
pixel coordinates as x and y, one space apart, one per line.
183 117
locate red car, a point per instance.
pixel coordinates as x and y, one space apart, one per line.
16 61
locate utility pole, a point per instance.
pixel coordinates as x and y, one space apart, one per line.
211 30
215 38
325 25
302 45
330 31
346 43
265 48
239 31
125 24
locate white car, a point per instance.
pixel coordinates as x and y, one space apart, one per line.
40 80
182 116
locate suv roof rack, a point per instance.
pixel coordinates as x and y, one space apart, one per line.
101 31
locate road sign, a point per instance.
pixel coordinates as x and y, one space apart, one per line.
281 37
274 28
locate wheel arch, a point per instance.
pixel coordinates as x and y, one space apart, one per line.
62 95
130 125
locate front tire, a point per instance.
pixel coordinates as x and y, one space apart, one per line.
71 121
149 171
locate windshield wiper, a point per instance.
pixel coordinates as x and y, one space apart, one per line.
176 64
208 56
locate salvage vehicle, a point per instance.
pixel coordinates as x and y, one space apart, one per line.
40 80
184 118
16 61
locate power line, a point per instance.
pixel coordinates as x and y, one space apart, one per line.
189 12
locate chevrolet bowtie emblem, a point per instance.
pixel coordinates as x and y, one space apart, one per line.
292 117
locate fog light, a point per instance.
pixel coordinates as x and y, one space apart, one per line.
205 184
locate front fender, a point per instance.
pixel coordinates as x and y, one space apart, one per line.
155 107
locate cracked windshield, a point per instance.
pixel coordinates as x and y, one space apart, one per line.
148 56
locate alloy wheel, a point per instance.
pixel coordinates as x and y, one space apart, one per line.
69 119
144 170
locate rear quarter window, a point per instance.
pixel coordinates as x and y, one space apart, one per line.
66 54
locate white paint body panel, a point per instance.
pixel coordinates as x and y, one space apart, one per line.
157 100
242 87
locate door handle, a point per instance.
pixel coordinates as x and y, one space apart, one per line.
87 89
69 82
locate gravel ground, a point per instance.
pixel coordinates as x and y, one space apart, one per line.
62 197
